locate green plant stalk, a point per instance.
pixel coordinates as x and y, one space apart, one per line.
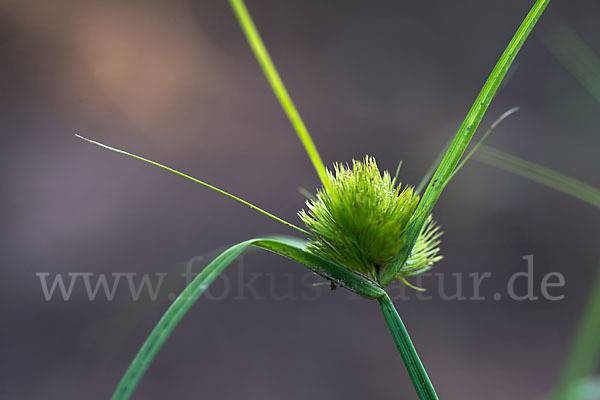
407 350
539 174
585 346
262 55
465 133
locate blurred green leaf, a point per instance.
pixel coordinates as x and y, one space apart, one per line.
584 389
539 174
576 56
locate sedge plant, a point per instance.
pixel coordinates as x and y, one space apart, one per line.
365 229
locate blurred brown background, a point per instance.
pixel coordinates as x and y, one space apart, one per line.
175 81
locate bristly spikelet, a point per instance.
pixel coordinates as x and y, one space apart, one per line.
359 223
425 252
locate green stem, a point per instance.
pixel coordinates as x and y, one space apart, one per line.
262 55
413 364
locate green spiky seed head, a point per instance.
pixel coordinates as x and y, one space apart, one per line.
360 222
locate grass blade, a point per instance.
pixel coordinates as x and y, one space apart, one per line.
466 131
197 181
170 319
407 350
287 247
539 174
262 55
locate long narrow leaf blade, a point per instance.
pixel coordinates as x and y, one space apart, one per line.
171 319
466 131
268 67
291 248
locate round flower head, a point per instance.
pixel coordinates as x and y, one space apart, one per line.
360 222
